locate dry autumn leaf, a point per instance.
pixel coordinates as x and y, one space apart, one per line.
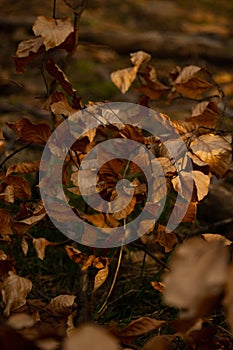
14 292
28 132
138 327
6 224
24 167
160 342
100 277
40 244
8 194
123 78
21 186
62 304
53 31
24 246
27 50
214 150
198 271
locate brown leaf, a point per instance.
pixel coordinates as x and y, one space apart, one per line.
166 239
160 342
27 50
202 183
6 225
123 78
191 84
89 337
6 265
28 218
56 72
150 85
214 150
40 244
24 167
62 304
100 277
76 255
121 204
140 57
28 132
8 194
138 327
198 271
24 246
22 188
54 31
14 292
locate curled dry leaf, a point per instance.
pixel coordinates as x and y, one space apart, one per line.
62 304
27 50
198 271
28 132
53 31
14 292
214 150
21 186
123 78
100 277
40 244
8 194
24 167
138 327
6 225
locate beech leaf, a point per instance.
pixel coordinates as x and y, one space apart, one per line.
62 304
40 244
24 167
54 31
14 292
100 277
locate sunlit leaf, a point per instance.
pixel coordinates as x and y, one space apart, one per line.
54 31
214 150
140 57
123 78
14 292
100 277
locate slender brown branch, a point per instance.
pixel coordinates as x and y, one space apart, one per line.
13 153
159 261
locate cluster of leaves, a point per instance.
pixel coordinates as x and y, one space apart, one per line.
200 272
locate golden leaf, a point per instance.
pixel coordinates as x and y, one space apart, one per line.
54 31
100 277
123 78
14 292
214 150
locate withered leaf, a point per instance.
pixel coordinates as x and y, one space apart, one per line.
158 286
123 78
24 167
14 292
54 31
8 194
214 150
20 321
100 277
160 342
198 271
24 246
22 188
140 326
76 255
62 304
166 239
28 132
54 70
27 50
140 57
40 244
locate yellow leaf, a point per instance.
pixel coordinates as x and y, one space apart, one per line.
14 292
54 31
100 278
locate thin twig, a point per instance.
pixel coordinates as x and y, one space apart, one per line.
13 153
159 261
104 306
